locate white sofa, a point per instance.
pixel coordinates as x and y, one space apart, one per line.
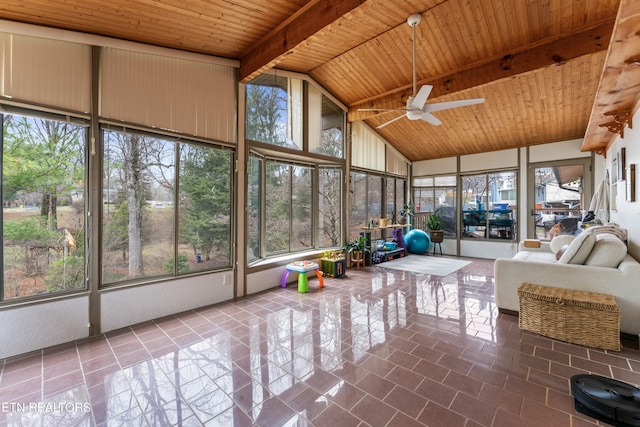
539 266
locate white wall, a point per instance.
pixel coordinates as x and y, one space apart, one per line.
31 327
487 248
490 160
128 306
266 279
448 165
628 213
571 149
63 320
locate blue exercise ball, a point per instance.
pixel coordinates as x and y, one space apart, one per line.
417 241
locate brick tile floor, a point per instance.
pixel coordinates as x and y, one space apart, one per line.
378 347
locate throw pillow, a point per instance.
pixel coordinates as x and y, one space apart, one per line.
559 241
579 249
561 252
608 251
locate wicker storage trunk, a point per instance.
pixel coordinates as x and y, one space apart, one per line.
586 318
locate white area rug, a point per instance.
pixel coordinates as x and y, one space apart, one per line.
425 264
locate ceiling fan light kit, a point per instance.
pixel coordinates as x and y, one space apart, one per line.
417 107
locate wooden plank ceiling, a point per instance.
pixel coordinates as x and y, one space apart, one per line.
538 63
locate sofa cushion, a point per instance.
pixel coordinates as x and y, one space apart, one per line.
535 256
559 241
608 251
579 249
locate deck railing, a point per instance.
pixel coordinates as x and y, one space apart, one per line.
419 220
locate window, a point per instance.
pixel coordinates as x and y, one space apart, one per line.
140 237
288 208
395 197
204 210
326 125
401 193
274 111
330 207
294 199
289 223
301 202
43 215
366 201
137 233
254 203
486 213
436 195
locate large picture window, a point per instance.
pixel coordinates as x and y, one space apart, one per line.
489 205
140 207
43 206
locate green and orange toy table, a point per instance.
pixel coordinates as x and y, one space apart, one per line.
302 268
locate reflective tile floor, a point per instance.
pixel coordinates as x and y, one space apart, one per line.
379 347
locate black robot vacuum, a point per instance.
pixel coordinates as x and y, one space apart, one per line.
606 399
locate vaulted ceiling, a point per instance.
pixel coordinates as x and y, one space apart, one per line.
550 70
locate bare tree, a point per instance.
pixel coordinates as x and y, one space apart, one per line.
140 162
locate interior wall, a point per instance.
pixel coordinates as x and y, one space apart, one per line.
628 213
553 151
31 327
490 160
128 306
447 165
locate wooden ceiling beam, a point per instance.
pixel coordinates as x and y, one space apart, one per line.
528 59
619 91
285 39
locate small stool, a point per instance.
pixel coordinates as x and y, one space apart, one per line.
357 259
302 267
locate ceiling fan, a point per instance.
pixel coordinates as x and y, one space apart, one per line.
417 107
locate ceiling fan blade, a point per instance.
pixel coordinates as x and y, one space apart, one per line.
421 97
439 106
390 121
382 109
430 118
